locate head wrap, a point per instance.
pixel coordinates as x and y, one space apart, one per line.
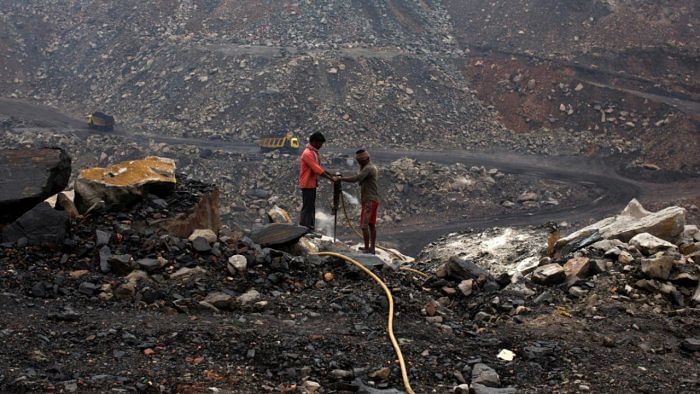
362 155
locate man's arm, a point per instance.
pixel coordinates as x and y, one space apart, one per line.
315 167
359 177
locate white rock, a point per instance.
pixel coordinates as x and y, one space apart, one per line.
506 355
649 244
279 215
691 232
527 265
185 272
237 264
659 267
466 286
205 233
549 274
310 387
483 374
249 296
528 196
635 209
625 257
461 389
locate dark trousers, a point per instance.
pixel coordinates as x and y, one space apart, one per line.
308 208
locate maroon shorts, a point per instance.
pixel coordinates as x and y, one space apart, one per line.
369 213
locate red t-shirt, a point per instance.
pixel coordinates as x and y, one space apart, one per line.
309 168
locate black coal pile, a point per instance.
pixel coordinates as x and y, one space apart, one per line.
216 310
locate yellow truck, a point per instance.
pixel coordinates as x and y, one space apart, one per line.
286 142
100 121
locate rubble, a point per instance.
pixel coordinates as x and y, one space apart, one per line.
666 224
260 292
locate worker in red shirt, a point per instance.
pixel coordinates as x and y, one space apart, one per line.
309 171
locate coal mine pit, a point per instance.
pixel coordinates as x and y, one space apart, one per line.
537 177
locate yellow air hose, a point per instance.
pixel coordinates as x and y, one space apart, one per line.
390 324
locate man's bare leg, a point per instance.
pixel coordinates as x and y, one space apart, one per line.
373 238
365 237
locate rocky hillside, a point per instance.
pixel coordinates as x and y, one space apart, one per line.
411 74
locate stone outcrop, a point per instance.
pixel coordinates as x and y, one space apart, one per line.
666 224
29 176
125 183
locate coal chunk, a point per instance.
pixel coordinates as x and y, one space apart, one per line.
42 225
29 177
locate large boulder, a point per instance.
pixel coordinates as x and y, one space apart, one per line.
666 224
125 183
41 225
278 234
29 176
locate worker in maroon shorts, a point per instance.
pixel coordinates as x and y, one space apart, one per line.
369 197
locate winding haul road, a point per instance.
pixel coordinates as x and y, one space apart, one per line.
615 190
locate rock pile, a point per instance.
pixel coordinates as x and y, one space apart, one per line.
632 247
148 186
667 224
